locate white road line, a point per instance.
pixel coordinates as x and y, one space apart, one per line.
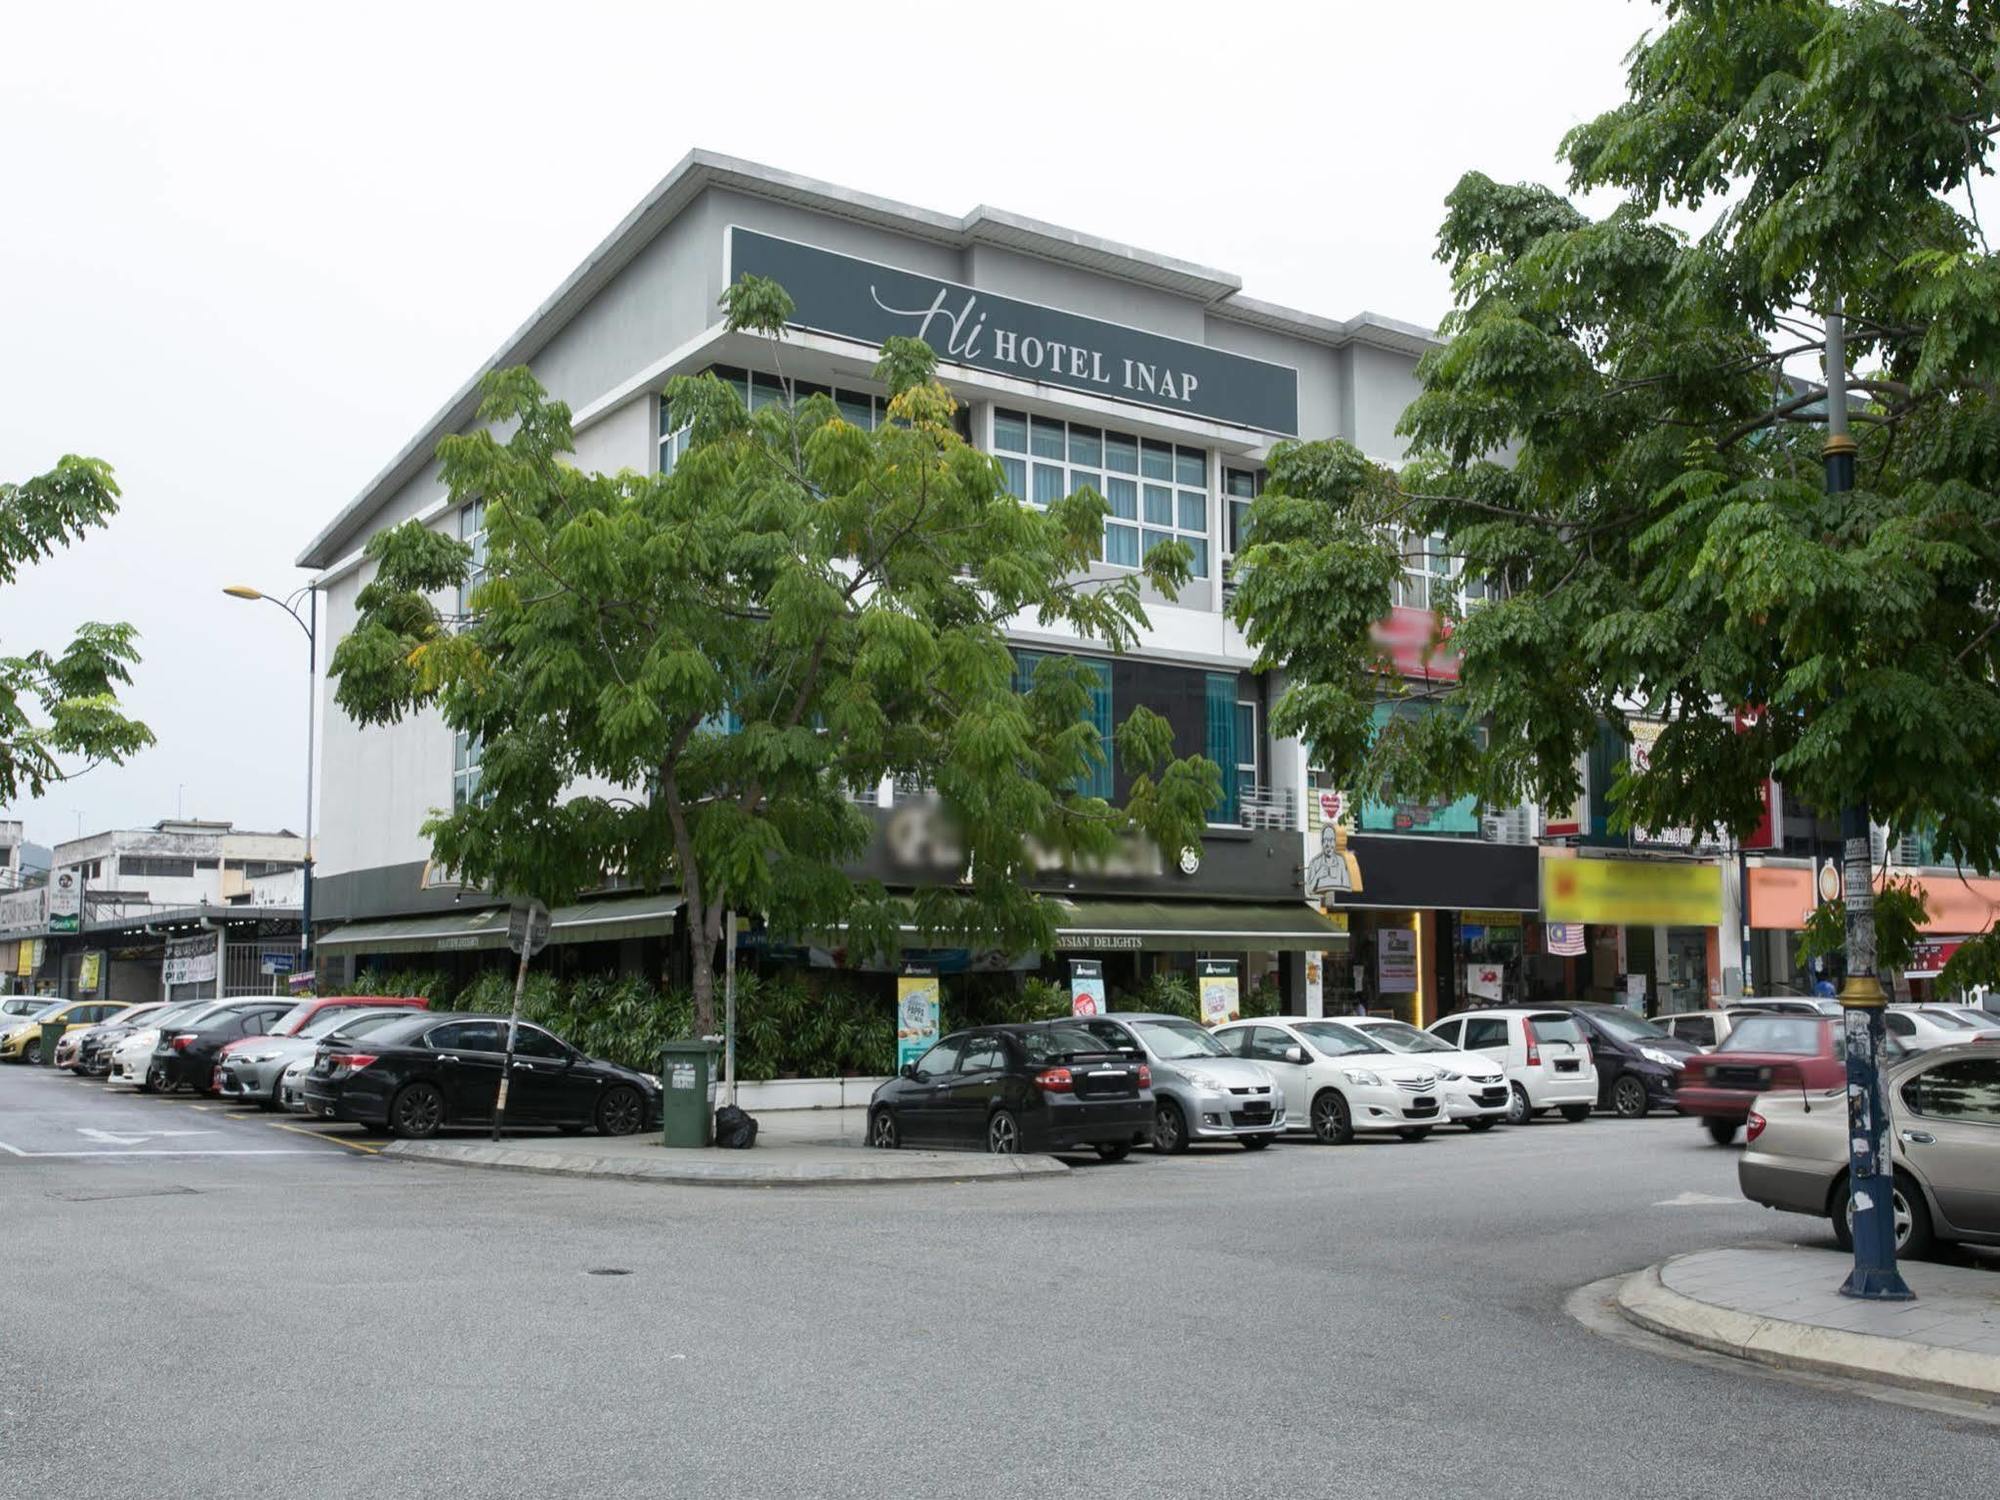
51 1155
12 1150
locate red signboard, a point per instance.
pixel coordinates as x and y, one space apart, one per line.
1418 643
1926 959
1770 830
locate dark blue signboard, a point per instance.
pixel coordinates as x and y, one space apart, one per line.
859 299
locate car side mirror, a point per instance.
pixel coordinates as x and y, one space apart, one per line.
1295 1054
908 1070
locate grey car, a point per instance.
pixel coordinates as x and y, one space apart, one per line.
1201 1092
252 1072
1944 1118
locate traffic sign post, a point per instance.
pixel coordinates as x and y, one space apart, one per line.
527 935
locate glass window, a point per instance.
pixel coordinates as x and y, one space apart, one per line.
1156 460
1174 1040
765 390
983 1054
856 409
1899 1025
1058 1042
1081 479
1014 471
941 1059
1086 447
467 1036
1335 1040
1191 467
1447 1032
1010 431
1697 1029
1121 453
1621 1024
1121 546
467 752
1045 438
1154 538
1048 484
1485 1034
1111 1034
1071 456
1269 1044
1123 495
1967 1089
1197 555
1793 1036
1159 505
1401 1036
1554 1028
1193 510
532 1041
319 1025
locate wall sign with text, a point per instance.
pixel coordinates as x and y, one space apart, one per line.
860 299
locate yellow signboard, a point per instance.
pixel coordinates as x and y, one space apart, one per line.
1631 892
87 973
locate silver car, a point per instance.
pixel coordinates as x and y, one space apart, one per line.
253 1070
1201 1092
1944 1122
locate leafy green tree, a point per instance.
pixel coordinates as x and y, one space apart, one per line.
59 712
1622 437
681 680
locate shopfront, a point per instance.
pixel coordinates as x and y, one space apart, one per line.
1781 896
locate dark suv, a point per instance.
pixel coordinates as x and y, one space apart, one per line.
1638 1065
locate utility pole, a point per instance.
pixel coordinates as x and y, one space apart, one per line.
1871 1181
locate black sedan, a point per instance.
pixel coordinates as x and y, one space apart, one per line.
1045 1086
419 1075
185 1055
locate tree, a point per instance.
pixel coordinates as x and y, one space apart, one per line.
59 713
682 680
1622 438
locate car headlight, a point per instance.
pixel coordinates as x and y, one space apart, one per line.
1363 1076
1664 1059
652 1078
1450 1077
1206 1081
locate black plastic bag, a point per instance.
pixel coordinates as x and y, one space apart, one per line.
735 1128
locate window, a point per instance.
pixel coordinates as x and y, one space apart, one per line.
467 752
1269 1044
532 1041
1239 488
472 531
467 1036
1246 751
1220 747
160 867
1899 1025
940 1060
1794 1036
1697 1029
1447 1031
1058 1042
1334 1040
1485 1034
1968 1089
1096 781
1156 491
983 1054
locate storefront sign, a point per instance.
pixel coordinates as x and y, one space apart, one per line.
66 901
859 299
1631 892
1099 942
916 1013
277 961
31 957
1086 987
1315 984
1484 981
1396 961
1219 993
1418 642
23 909
190 960
1645 736
88 973
1829 881
1565 939
1395 814
1927 960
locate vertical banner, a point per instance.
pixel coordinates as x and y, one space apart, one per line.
1396 961
916 1012
87 975
1219 1000
1086 987
66 901
1315 984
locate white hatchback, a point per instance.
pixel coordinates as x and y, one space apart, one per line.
1474 1087
1339 1082
1543 1053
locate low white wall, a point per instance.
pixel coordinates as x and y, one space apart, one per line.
805 1093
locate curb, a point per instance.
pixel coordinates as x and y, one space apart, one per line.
1645 1300
734 1172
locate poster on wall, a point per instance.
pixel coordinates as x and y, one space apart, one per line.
1315 984
66 901
1484 981
1396 961
1394 814
190 960
916 1012
1635 993
88 973
1219 992
1086 987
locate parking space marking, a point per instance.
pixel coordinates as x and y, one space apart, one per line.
315 1135
71 1155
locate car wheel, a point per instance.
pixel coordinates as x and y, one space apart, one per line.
1116 1152
80 1070
619 1112
1331 1123
1914 1235
1722 1132
32 1055
1003 1133
1484 1124
416 1112
1415 1133
1576 1114
1256 1142
1518 1112
1170 1134
1628 1097
883 1132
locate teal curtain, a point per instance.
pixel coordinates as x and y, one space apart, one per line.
1222 740
1097 781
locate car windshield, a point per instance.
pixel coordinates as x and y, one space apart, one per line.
1336 1040
1401 1036
49 1010
1172 1040
1047 1043
319 1025
358 1023
1947 1020
1550 1027
1625 1026
287 1024
1794 1036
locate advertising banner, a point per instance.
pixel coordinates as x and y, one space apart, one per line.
190 960
24 909
1086 987
1315 984
1484 981
916 1012
1219 992
1407 815
31 956
88 973
1631 892
1396 961
66 901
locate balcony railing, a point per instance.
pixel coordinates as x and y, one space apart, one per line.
1262 807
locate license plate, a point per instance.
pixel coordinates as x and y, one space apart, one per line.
1566 1067
1424 1103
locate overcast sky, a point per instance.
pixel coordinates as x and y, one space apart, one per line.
246 251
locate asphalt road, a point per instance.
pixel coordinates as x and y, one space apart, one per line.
1369 1320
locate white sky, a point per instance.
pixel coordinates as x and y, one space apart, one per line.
247 250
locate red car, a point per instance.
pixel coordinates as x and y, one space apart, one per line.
1763 1053
224 1080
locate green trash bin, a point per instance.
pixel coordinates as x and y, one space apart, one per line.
51 1034
685 1118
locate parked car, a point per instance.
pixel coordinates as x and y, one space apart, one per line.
93 1044
1704 1030
1922 1027
1340 1082
131 1056
1638 1064
23 1042
184 1055
14 1009
423 1072
1040 1086
1979 1019
1473 1086
1201 1091
1788 1005
1763 1053
1543 1053
292 1086
1944 1145
253 1068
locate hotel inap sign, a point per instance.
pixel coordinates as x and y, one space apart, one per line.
859 299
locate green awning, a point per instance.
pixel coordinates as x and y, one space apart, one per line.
1190 926
601 921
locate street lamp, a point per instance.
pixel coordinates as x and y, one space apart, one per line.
309 623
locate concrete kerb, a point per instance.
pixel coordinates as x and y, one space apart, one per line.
1646 1301
733 1169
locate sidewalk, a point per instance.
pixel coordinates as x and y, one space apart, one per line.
795 1148
1782 1307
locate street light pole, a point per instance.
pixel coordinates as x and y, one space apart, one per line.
309 623
1870 1177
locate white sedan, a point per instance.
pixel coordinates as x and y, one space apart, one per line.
1920 1028
1475 1090
1339 1082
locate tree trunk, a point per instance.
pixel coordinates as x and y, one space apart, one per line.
702 972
